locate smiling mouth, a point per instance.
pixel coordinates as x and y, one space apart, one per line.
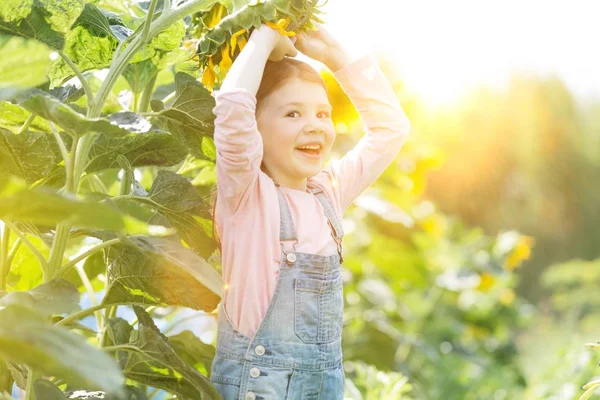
312 154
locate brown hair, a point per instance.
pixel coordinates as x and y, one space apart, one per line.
276 74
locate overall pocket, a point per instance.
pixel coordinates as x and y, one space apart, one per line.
228 387
318 309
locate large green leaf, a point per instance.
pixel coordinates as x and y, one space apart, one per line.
146 149
44 389
29 155
190 117
26 337
42 20
46 207
155 363
90 44
57 296
160 271
185 208
24 63
6 380
25 270
13 116
77 124
193 351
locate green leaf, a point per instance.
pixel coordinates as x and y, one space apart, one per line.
161 272
26 337
90 44
29 155
185 208
46 207
28 19
190 118
141 150
193 351
24 63
67 93
25 272
18 373
156 364
75 123
44 389
57 296
139 74
13 116
6 380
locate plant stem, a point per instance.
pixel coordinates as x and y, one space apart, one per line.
28 243
147 95
63 228
84 83
4 268
149 17
90 291
81 314
12 252
61 144
125 187
120 61
65 268
31 377
120 347
27 123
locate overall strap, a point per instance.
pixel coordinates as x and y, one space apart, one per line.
334 222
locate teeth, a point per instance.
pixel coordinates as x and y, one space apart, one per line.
315 147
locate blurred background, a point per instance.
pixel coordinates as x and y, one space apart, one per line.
473 266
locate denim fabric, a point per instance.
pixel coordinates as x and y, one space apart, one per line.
296 352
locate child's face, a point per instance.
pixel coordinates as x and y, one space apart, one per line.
285 126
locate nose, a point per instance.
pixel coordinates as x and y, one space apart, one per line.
315 125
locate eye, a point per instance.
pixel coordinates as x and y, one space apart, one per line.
292 112
326 114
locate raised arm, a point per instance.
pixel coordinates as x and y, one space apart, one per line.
386 125
237 140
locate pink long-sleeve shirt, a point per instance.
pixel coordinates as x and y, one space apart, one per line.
247 209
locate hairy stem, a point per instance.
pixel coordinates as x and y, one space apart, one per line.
27 123
120 61
65 268
147 95
31 377
84 83
81 314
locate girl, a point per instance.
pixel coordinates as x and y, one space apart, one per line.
278 212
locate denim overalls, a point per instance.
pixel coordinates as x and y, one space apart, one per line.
296 352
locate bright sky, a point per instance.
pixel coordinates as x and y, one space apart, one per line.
442 47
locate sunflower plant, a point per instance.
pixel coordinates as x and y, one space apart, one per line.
224 30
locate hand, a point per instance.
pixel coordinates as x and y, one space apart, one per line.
319 45
281 45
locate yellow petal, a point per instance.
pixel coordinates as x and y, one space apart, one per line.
226 62
234 40
208 77
216 15
279 27
243 41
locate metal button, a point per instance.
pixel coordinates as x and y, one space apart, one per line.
254 372
250 396
260 350
291 257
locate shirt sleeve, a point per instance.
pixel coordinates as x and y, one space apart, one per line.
239 145
386 129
